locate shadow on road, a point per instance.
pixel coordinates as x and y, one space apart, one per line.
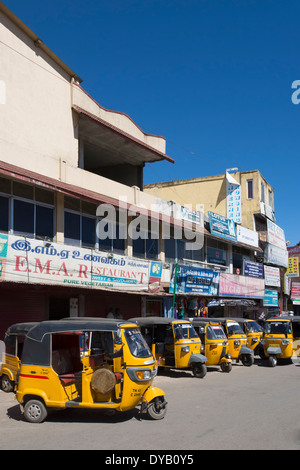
81 415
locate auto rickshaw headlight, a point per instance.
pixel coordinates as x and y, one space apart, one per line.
237 342
263 341
140 375
285 342
185 349
143 374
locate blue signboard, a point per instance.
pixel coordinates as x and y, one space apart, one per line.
253 269
196 281
271 298
222 227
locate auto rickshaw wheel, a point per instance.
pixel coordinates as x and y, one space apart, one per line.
35 411
157 408
6 384
199 370
247 360
272 361
226 366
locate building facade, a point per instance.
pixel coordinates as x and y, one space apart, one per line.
78 234
247 200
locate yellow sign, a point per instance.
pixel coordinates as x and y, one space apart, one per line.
293 269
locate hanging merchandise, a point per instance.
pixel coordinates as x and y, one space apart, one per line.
181 307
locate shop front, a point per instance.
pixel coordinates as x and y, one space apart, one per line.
41 280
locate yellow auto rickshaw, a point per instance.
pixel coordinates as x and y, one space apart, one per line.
13 340
174 343
296 338
237 341
116 374
253 331
214 343
277 340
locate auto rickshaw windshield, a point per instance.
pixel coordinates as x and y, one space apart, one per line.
215 332
234 329
184 331
278 327
136 343
253 327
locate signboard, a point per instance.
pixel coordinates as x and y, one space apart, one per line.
221 226
30 261
293 267
232 285
275 255
196 281
271 298
295 291
155 276
253 269
233 199
276 235
247 236
272 276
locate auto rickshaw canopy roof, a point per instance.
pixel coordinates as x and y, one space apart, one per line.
20 328
151 321
68 325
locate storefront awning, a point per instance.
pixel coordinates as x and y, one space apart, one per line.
231 302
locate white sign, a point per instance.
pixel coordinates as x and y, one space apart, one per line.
272 276
275 255
276 235
28 260
233 198
247 236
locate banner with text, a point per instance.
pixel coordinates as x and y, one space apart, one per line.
29 260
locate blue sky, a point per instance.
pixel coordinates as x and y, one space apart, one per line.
213 77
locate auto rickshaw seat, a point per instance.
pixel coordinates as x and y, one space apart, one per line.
66 365
160 347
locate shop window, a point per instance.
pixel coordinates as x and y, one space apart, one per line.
262 192
146 247
80 230
238 257
72 228
30 219
249 189
23 216
44 225
115 240
216 252
4 214
26 210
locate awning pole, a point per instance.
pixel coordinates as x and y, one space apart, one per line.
175 286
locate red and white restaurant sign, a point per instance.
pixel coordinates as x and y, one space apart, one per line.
295 293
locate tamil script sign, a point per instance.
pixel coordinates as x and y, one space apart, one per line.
293 267
272 276
196 281
271 298
253 269
29 260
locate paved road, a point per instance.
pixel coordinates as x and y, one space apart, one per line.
249 408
